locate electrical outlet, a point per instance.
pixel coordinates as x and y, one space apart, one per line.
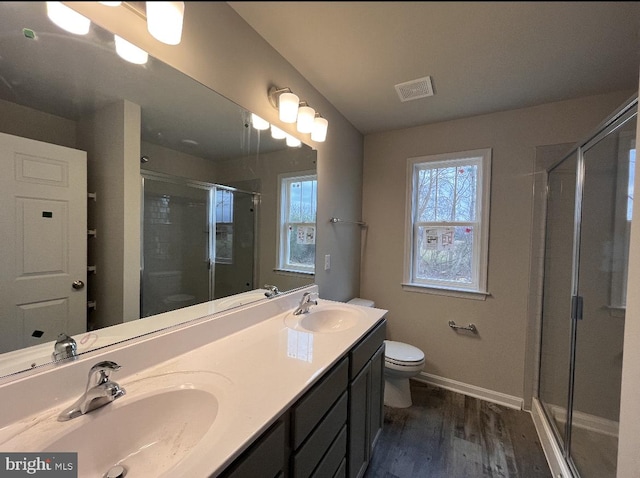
327 262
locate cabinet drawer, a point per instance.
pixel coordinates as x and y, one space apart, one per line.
309 456
362 351
317 402
266 457
334 457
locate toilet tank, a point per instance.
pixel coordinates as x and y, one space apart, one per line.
362 302
165 283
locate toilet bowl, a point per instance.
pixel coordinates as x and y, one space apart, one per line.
401 362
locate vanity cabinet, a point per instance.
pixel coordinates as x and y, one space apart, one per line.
366 399
330 431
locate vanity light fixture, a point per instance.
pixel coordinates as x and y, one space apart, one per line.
306 115
110 4
292 110
319 131
164 21
285 102
277 133
130 52
67 18
259 123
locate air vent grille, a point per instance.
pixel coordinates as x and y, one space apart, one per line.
415 89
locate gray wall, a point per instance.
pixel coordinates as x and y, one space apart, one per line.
494 359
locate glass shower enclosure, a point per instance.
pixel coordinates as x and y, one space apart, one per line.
588 219
198 243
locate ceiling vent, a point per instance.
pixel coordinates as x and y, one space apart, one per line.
415 89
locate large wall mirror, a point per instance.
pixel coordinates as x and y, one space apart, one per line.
186 203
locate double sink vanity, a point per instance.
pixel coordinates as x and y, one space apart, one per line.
259 390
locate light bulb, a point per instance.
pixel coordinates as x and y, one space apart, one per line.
68 19
319 132
306 114
288 107
130 52
164 21
259 123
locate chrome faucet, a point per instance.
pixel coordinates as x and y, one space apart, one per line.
272 290
64 348
305 303
99 392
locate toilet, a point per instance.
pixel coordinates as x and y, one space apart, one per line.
401 362
166 287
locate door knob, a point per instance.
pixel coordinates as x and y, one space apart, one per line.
77 285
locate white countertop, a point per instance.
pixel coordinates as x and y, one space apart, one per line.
260 370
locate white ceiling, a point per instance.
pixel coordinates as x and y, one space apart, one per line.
482 57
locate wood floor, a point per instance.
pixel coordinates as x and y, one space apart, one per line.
448 435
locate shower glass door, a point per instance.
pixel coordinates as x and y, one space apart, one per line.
175 247
607 201
589 205
556 305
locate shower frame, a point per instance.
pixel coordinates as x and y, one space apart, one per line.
560 447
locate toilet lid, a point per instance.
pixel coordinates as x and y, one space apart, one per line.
399 352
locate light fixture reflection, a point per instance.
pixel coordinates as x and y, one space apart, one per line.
259 123
277 133
293 142
68 19
130 52
164 21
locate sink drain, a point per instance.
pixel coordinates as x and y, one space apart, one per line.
117 471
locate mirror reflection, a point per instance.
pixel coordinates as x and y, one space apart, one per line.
131 192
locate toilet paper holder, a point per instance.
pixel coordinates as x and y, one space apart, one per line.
470 327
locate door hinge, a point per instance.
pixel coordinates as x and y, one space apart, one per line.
576 307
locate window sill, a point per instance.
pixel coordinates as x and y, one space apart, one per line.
459 293
287 272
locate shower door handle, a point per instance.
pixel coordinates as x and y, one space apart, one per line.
576 307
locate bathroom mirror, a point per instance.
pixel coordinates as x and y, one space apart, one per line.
52 83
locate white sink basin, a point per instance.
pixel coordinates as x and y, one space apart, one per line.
150 431
325 318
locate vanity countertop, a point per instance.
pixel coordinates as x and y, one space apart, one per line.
257 373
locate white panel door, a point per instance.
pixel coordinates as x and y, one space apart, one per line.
43 242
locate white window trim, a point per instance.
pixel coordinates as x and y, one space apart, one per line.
478 291
281 243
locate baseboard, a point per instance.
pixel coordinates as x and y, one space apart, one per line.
550 446
508 401
586 421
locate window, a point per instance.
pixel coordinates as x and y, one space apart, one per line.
622 218
297 238
224 226
447 219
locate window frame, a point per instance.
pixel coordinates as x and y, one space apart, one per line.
282 246
478 287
